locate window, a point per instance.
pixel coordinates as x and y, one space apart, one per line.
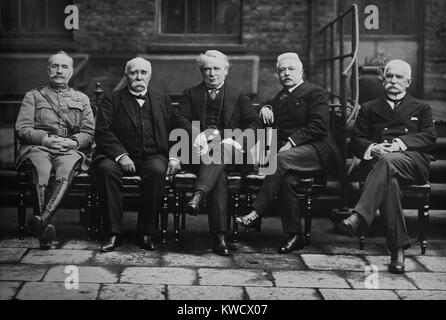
33 19
396 17
198 19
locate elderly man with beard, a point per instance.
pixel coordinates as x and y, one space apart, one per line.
392 136
132 135
55 126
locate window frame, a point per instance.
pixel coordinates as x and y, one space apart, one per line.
192 38
33 37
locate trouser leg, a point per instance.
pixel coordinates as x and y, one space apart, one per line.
382 191
289 205
298 159
217 205
152 172
109 180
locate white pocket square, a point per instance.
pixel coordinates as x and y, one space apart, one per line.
414 118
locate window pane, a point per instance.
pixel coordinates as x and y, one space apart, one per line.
199 16
9 15
172 16
227 16
33 16
56 15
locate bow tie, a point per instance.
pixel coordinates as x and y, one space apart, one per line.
140 96
395 101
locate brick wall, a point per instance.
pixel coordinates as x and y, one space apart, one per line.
114 31
434 50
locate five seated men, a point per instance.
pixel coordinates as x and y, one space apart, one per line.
392 136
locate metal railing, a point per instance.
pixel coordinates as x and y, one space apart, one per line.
345 101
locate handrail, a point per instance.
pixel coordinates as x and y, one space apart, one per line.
331 57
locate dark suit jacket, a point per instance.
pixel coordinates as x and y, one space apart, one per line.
311 123
237 111
116 128
411 122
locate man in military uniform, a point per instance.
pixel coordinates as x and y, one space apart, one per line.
55 126
392 136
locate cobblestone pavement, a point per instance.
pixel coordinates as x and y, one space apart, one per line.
331 268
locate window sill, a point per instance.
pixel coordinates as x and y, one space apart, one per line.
175 47
37 45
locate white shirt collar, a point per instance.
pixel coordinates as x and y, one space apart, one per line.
292 89
218 88
398 97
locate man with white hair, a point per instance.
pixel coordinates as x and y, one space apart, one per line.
55 126
392 137
300 113
217 105
132 138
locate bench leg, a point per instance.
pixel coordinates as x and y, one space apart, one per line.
308 218
89 213
164 217
176 217
236 212
21 213
423 224
96 217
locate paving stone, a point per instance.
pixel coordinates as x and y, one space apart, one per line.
428 280
269 261
75 244
57 256
28 242
349 294
260 293
85 274
233 277
309 279
353 248
382 263
246 248
333 262
57 291
22 272
8 289
157 275
436 264
140 258
132 292
195 260
11 255
204 293
421 294
382 280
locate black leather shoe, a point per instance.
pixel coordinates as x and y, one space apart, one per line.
351 226
194 204
251 220
294 242
397 262
145 242
47 237
220 246
35 225
112 242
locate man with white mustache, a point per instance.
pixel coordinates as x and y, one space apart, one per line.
132 138
393 135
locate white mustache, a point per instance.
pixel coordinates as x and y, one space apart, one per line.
389 85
